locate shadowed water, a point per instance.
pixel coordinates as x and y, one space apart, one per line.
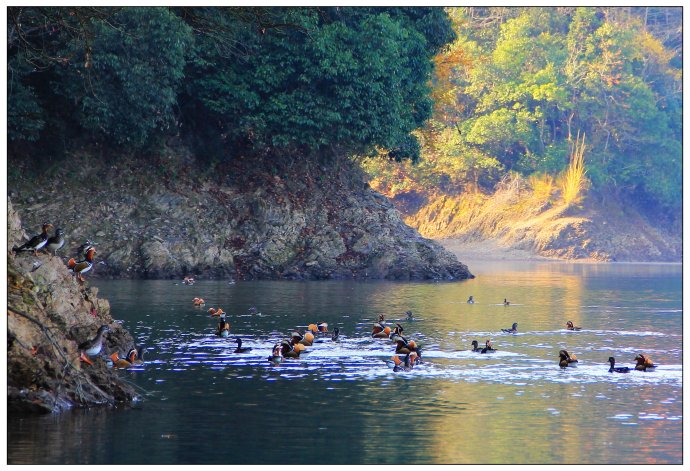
342 403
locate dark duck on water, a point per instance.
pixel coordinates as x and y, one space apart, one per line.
240 348
566 359
619 369
512 330
569 325
489 348
37 242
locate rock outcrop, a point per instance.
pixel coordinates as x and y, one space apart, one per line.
243 219
48 315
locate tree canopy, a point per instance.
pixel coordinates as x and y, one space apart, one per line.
309 80
518 84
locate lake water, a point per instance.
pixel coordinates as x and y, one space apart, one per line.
342 402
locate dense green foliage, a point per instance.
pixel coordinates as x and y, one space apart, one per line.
519 84
228 80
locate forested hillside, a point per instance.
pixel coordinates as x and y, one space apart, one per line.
518 86
217 141
301 81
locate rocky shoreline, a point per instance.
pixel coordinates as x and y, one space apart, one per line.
48 315
243 219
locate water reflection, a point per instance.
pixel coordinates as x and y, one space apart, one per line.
341 403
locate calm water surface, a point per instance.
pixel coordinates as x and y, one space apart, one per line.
342 403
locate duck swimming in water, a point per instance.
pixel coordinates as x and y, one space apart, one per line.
506 302
276 356
489 348
569 325
240 348
381 334
379 327
215 312
566 359
199 302
119 362
470 300
644 363
614 369
512 330
407 364
289 349
476 347
223 327
188 280
306 339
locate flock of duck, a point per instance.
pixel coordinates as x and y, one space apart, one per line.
54 243
298 341
565 358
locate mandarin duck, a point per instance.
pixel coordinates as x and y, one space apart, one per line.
566 359
55 242
92 347
37 242
79 268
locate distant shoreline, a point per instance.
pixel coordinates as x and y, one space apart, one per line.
490 250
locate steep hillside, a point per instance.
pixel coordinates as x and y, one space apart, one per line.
250 218
518 217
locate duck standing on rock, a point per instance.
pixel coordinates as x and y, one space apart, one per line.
79 268
512 330
92 347
37 242
55 242
83 248
566 359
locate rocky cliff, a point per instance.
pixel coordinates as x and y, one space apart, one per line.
48 315
247 218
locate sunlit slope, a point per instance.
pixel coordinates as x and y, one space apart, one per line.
522 214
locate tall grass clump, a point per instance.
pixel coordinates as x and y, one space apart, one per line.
542 186
573 180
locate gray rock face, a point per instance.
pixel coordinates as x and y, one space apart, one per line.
48 315
242 222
